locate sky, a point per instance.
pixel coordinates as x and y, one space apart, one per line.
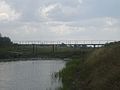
23 20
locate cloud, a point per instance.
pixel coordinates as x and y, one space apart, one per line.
60 12
111 21
80 1
66 29
61 30
7 13
46 10
97 28
60 19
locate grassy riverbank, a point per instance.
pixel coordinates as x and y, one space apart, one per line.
99 70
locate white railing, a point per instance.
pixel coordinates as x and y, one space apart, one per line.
66 42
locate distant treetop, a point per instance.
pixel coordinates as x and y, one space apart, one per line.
5 40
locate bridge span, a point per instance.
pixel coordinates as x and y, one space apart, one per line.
69 46
67 42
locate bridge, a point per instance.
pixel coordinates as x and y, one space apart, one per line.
60 43
91 43
67 42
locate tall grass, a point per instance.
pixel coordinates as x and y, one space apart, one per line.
98 71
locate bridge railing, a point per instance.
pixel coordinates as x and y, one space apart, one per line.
66 42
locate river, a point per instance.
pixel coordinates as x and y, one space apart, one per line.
30 75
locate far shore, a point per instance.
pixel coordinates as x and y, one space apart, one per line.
32 59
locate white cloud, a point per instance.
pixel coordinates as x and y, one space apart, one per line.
111 21
80 1
61 30
45 10
62 11
6 12
90 29
60 19
65 29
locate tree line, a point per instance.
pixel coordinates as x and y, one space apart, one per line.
5 40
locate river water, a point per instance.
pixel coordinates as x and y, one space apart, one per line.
30 75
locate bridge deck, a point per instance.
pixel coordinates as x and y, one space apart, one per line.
68 42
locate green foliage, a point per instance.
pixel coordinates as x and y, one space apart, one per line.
5 41
98 71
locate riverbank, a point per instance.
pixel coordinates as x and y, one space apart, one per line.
100 70
33 59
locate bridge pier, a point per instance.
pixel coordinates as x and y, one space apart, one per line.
34 49
53 48
94 46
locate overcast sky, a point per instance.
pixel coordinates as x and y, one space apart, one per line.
60 19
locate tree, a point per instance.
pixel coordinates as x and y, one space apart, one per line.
5 41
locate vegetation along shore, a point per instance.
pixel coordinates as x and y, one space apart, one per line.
100 70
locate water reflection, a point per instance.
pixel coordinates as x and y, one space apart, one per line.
30 75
